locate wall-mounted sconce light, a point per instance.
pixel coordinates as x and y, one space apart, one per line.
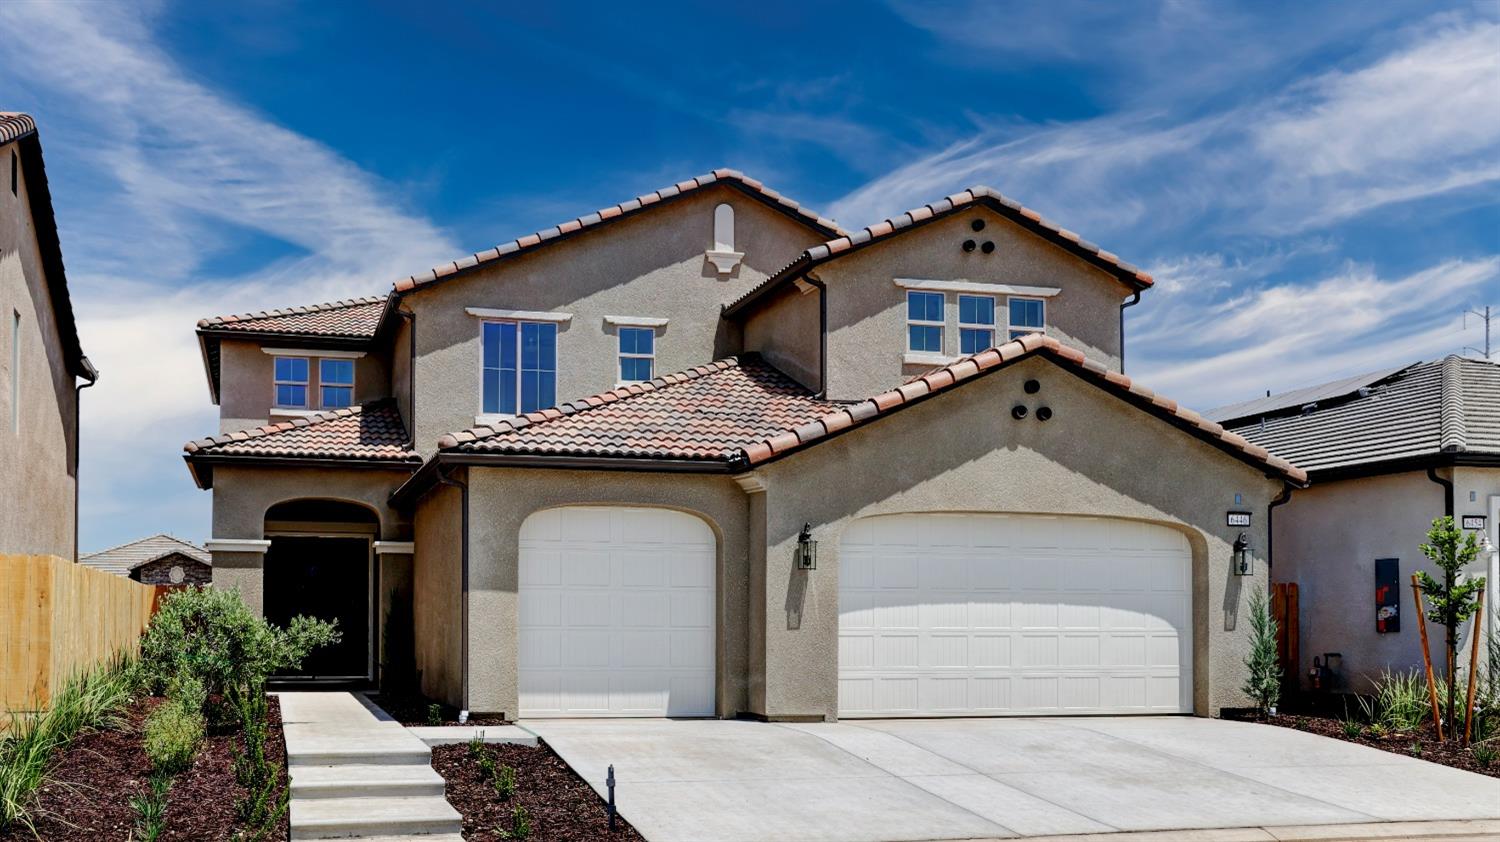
806 557
1242 555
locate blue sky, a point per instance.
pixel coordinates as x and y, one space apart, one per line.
1313 185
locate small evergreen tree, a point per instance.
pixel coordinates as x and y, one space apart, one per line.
1450 603
1263 679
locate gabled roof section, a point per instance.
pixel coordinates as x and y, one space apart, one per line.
351 322
726 177
975 196
739 413
127 557
21 128
367 436
1425 415
352 318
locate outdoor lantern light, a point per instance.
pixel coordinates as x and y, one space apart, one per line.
807 549
1242 555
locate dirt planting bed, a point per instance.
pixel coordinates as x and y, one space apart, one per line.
413 711
558 802
86 796
1421 743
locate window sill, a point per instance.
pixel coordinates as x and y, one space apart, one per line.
288 412
927 358
483 420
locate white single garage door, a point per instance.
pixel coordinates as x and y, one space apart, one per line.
616 613
954 615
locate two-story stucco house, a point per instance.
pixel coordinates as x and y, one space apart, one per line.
704 453
41 360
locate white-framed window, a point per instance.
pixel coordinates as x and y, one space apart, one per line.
637 354
291 382
1027 315
976 323
924 322
519 367
335 383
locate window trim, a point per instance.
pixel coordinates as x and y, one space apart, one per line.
941 324
621 355
1012 328
482 416
277 383
991 327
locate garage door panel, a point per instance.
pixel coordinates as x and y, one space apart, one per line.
967 614
616 613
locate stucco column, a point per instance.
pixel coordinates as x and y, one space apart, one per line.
396 658
239 564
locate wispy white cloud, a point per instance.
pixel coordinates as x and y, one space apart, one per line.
1213 344
154 175
1414 122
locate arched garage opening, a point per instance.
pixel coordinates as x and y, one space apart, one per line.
997 614
321 564
616 613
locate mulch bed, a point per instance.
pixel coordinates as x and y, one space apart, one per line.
411 711
561 805
86 797
1422 744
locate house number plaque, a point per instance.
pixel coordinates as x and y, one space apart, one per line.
1237 518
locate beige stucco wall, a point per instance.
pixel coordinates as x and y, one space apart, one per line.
778 628
1098 456
437 595
867 311
649 265
1327 539
788 332
36 454
247 385
502 498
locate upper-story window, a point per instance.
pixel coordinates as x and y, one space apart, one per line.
1027 315
924 322
291 382
520 367
336 383
976 323
637 354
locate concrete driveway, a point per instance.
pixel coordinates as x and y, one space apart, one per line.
867 780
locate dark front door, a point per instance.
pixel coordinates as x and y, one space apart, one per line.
327 578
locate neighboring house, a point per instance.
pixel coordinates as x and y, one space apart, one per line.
705 453
158 560
41 361
1386 453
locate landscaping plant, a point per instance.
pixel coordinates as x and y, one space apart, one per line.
505 782
1399 703
1263 681
261 807
434 714
151 808
174 731
520 825
1450 602
91 700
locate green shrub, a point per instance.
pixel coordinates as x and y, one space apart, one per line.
212 635
434 714
1400 702
1484 754
520 825
1352 728
505 782
173 732
91 700
264 801
151 808
1263 671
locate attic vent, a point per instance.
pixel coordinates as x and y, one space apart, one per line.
722 255
1307 408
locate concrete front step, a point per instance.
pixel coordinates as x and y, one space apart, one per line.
335 818
361 756
366 780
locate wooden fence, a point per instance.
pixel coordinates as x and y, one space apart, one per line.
57 619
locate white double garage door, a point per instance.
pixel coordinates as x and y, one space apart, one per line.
939 615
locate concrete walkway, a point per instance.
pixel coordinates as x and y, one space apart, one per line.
883 780
355 776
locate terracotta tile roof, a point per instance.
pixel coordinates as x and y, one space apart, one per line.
729 177
1444 408
15 125
353 318
127 557
980 195
743 412
706 413
373 432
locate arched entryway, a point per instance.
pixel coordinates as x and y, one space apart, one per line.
321 564
617 613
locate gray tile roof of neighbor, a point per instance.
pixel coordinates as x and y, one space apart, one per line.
127 557
1449 406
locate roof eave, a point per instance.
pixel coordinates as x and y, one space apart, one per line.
426 478
50 247
201 465
1462 459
